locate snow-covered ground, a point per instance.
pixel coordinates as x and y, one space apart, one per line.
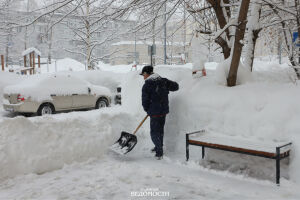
66 156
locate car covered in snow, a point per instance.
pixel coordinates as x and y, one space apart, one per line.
47 94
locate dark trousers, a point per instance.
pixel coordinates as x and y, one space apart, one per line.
157 124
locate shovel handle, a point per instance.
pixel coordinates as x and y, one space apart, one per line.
140 125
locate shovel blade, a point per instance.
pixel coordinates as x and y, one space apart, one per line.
125 143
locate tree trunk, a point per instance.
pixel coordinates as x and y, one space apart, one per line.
7 50
88 33
50 46
287 39
225 48
255 36
297 5
216 4
238 46
252 35
153 40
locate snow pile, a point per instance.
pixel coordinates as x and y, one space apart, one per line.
244 75
41 87
131 92
7 78
129 68
43 144
66 64
211 65
119 68
199 53
107 79
265 112
257 111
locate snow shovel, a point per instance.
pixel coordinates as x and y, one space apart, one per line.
127 141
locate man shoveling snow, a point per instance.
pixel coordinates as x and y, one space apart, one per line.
155 102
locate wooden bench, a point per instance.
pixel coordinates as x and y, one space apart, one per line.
277 151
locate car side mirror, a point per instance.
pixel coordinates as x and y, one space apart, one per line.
89 90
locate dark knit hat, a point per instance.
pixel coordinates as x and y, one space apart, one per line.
147 69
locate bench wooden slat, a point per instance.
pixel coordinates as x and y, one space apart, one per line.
266 146
275 151
237 149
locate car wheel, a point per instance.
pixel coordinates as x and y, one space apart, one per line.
101 103
45 109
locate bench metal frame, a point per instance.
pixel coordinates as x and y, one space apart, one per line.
279 155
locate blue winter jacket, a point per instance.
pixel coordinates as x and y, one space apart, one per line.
155 93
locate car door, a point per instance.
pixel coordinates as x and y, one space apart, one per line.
83 98
62 102
82 101
59 87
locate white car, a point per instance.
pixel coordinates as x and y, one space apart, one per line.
47 94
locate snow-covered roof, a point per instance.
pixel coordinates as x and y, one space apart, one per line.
31 49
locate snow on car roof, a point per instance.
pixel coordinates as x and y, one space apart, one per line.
41 87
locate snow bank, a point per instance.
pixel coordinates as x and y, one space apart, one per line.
66 64
259 111
43 144
255 111
243 76
118 68
271 66
7 78
264 109
107 79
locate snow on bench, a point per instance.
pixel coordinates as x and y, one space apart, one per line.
268 149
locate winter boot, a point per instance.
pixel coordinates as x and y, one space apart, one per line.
159 156
153 150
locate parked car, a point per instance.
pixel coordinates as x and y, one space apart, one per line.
47 94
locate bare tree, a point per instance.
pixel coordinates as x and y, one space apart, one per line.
7 31
92 28
254 27
224 21
287 15
238 43
228 30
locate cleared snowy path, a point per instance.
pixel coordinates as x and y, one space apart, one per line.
115 177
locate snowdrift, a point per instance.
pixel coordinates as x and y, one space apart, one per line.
66 64
263 109
43 144
243 75
7 78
